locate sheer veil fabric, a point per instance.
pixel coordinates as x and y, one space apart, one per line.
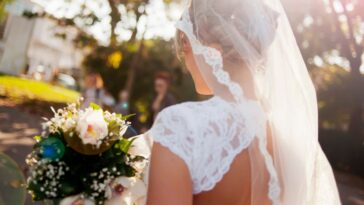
247 54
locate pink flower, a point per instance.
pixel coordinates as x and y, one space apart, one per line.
126 191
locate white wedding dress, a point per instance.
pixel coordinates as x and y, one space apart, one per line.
208 135
235 42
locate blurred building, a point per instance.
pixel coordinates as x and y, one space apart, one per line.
36 45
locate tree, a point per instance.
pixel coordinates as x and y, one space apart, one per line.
330 33
121 13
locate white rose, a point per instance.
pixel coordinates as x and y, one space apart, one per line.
91 126
134 192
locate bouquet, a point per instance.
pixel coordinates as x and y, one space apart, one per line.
83 158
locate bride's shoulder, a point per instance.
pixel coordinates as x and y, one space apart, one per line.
171 120
177 127
180 110
193 110
190 117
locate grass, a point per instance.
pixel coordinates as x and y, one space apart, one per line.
25 89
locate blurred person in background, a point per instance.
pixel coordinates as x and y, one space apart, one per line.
122 106
94 91
163 97
108 101
55 76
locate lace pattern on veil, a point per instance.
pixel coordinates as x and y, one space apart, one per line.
212 57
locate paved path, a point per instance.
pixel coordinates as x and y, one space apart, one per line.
17 129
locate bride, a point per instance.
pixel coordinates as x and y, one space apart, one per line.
255 141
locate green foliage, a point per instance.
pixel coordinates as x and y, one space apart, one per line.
24 89
124 144
333 94
37 138
95 106
158 55
126 117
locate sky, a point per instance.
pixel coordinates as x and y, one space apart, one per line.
159 22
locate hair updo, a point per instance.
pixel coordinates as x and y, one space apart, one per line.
239 27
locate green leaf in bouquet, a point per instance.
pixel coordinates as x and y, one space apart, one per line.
113 127
118 115
125 144
57 135
36 192
137 159
127 116
95 106
69 188
37 138
129 171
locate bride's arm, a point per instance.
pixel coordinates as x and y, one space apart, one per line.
169 179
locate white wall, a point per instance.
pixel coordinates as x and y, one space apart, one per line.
15 44
33 42
47 49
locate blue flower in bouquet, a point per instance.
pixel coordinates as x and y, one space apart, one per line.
52 148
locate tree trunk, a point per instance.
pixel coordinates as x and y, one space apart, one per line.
115 18
136 58
356 125
133 68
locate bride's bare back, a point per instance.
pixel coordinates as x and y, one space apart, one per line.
234 188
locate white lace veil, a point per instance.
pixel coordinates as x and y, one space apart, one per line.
247 54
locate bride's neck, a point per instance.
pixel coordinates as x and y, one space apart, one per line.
241 74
